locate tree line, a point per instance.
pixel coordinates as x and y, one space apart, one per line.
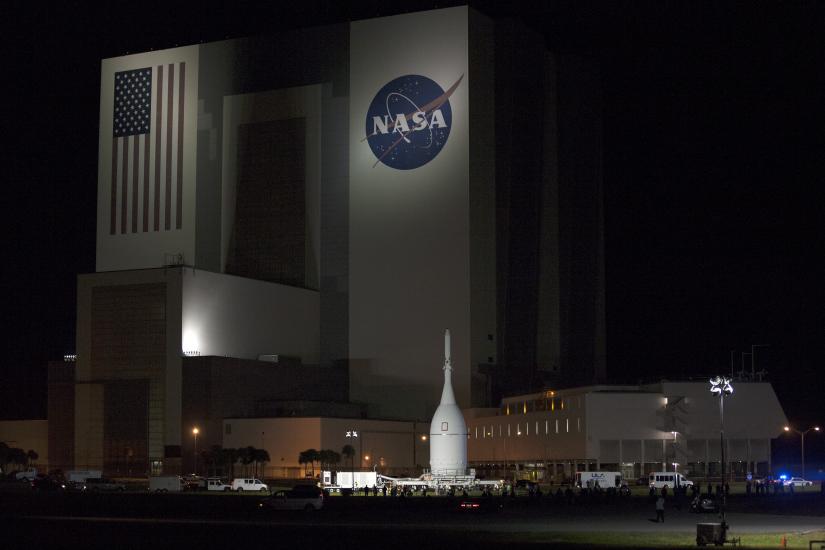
217 458
326 458
15 456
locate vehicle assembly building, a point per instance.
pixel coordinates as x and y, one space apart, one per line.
286 223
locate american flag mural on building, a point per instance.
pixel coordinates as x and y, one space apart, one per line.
147 149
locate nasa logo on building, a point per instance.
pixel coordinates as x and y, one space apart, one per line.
408 122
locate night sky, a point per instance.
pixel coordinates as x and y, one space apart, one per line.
714 129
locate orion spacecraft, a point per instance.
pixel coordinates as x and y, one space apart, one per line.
448 432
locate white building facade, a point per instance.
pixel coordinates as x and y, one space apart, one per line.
632 429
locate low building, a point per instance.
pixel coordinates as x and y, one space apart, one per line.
631 429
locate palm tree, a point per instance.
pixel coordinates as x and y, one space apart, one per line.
246 457
313 457
261 456
230 457
303 459
349 452
31 456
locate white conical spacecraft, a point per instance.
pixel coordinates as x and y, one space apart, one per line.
448 432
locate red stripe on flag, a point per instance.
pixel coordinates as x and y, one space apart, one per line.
158 120
169 120
145 183
124 185
179 204
113 209
135 182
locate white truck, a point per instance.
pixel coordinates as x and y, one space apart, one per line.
671 480
81 476
606 480
29 474
165 484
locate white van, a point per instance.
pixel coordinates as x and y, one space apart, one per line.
671 480
605 480
249 484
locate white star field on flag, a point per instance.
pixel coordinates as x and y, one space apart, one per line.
133 92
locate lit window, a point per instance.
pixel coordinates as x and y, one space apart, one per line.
492 433
527 427
557 426
476 432
578 424
553 404
546 427
537 427
524 407
567 425
499 429
508 430
562 404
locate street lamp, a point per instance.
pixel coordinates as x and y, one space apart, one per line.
789 429
720 386
195 432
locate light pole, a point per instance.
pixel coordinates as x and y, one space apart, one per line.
789 429
195 432
354 434
721 386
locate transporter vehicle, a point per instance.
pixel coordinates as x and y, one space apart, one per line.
165 484
605 480
671 480
301 497
249 484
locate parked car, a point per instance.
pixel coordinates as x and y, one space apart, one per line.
217 484
193 482
703 505
798 482
104 484
45 483
29 474
301 497
249 484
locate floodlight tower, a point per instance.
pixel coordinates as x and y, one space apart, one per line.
720 386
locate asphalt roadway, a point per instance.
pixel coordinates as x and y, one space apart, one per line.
217 521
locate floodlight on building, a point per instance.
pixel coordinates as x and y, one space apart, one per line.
70 358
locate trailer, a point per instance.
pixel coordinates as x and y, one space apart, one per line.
604 480
334 482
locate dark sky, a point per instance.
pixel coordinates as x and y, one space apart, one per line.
713 169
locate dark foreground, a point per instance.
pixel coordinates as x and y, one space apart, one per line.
126 521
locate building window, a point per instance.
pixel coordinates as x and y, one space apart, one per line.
557 426
546 427
567 424
476 432
578 424
527 427
492 433
228 429
508 430
553 404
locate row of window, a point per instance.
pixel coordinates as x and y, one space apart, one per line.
507 430
541 404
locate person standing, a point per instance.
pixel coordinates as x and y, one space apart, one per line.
660 509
